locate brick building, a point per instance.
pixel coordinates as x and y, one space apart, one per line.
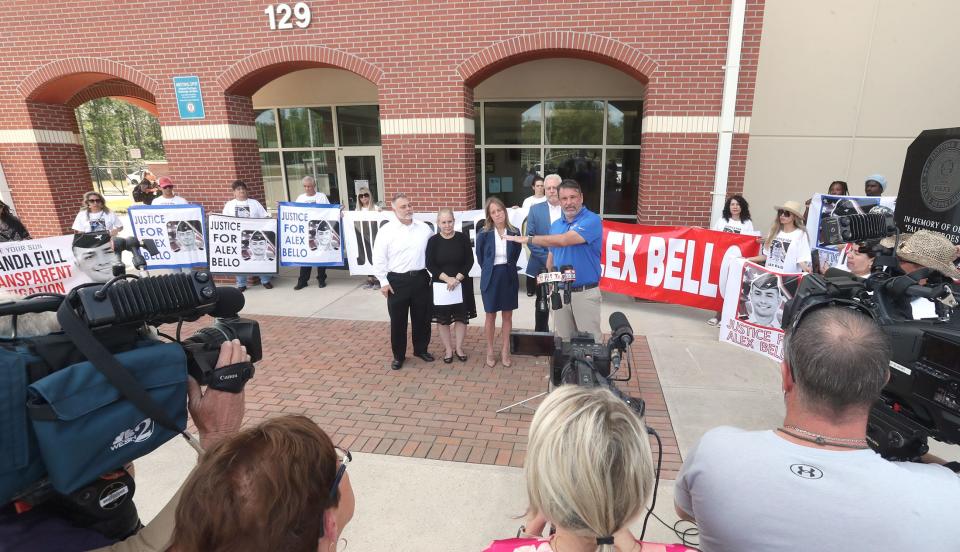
450 101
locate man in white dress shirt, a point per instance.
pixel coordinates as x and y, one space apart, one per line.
399 262
311 195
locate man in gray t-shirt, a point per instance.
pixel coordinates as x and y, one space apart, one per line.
813 484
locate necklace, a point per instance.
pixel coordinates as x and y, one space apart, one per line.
822 440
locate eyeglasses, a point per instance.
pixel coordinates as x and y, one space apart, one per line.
345 458
94 200
364 195
783 213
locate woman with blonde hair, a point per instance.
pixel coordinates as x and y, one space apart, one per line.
365 203
95 216
449 258
589 473
786 248
499 283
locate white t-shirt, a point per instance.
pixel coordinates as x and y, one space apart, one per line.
787 251
753 491
531 201
175 200
96 222
319 198
248 208
733 226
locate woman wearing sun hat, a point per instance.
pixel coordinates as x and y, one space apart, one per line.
786 248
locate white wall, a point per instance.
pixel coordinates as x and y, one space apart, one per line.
842 89
316 87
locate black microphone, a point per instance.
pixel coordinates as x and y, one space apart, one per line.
621 333
230 301
569 276
542 293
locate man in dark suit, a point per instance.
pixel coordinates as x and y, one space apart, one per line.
541 216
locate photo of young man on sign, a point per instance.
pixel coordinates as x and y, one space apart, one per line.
762 296
185 235
258 245
324 236
94 254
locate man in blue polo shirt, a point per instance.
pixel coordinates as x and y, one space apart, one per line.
575 240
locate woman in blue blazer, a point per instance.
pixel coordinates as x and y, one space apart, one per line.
499 282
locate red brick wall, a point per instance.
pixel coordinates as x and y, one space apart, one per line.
424 56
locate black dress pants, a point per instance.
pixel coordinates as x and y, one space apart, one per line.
411 294
305 274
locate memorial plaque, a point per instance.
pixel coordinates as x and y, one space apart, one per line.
929 195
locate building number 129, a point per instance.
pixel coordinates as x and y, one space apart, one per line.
280 15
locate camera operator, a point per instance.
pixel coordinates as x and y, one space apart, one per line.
217 414
574 240
813 483
927 249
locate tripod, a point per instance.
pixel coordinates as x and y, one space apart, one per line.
524 402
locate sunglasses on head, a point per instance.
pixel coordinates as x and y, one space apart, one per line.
345 458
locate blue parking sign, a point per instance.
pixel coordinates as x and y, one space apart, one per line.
189 98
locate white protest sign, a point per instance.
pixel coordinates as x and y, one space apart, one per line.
309 234
48 265
242 245
177 231
824 207
753 307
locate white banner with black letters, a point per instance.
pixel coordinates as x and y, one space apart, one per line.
177 231
242 245
361 227
309 234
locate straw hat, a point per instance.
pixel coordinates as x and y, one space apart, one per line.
794 207
891 241
932 250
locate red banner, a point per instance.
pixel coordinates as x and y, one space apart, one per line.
670 264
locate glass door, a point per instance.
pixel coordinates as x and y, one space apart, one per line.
360 167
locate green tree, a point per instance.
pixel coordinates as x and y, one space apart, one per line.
110 127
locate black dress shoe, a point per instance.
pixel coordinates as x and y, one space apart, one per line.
321 284
531 293
268 285
461 358
299 286
396 364
448 360
426 356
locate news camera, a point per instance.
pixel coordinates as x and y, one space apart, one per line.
922 399
109 388
582 360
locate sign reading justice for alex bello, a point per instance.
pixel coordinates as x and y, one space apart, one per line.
48 265
177 230
670 264
242 245
309 234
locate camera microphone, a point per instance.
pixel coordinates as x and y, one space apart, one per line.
541 292
549 283
621 334
855 228
569 277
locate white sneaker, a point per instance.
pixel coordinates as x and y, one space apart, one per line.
713 321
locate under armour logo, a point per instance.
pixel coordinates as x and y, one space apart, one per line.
806 472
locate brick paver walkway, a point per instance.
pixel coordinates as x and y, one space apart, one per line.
338 373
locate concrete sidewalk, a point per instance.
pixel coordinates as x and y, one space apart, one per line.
413 504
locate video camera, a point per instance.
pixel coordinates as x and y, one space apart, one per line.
582 360
922 399
109 388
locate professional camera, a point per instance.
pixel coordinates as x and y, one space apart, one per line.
583 361
109 388
922 399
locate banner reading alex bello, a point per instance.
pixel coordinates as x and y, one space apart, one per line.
753 307
177 231
310 234
49 265
242 245
670 264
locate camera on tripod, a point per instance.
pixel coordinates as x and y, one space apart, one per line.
922 398
582 360
109 388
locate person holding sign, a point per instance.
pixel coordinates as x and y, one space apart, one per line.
449 260
95 216
787 248
168 196
399 260
311 195
245 207
497 258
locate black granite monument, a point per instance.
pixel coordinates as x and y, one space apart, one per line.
929 195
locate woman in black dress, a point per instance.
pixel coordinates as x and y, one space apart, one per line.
449 260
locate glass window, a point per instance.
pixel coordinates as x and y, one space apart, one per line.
295 127
360 171
359 125
321 126
582 165
622 182
266 123
507 169
512 122
477 127
479 179
575 122
272 178
322 165
623 122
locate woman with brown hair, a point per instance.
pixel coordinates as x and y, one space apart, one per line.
279 486
499 283
95 216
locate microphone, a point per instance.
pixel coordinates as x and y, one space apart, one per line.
550 281
541 292
855 228
569 276
621 333
230 301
